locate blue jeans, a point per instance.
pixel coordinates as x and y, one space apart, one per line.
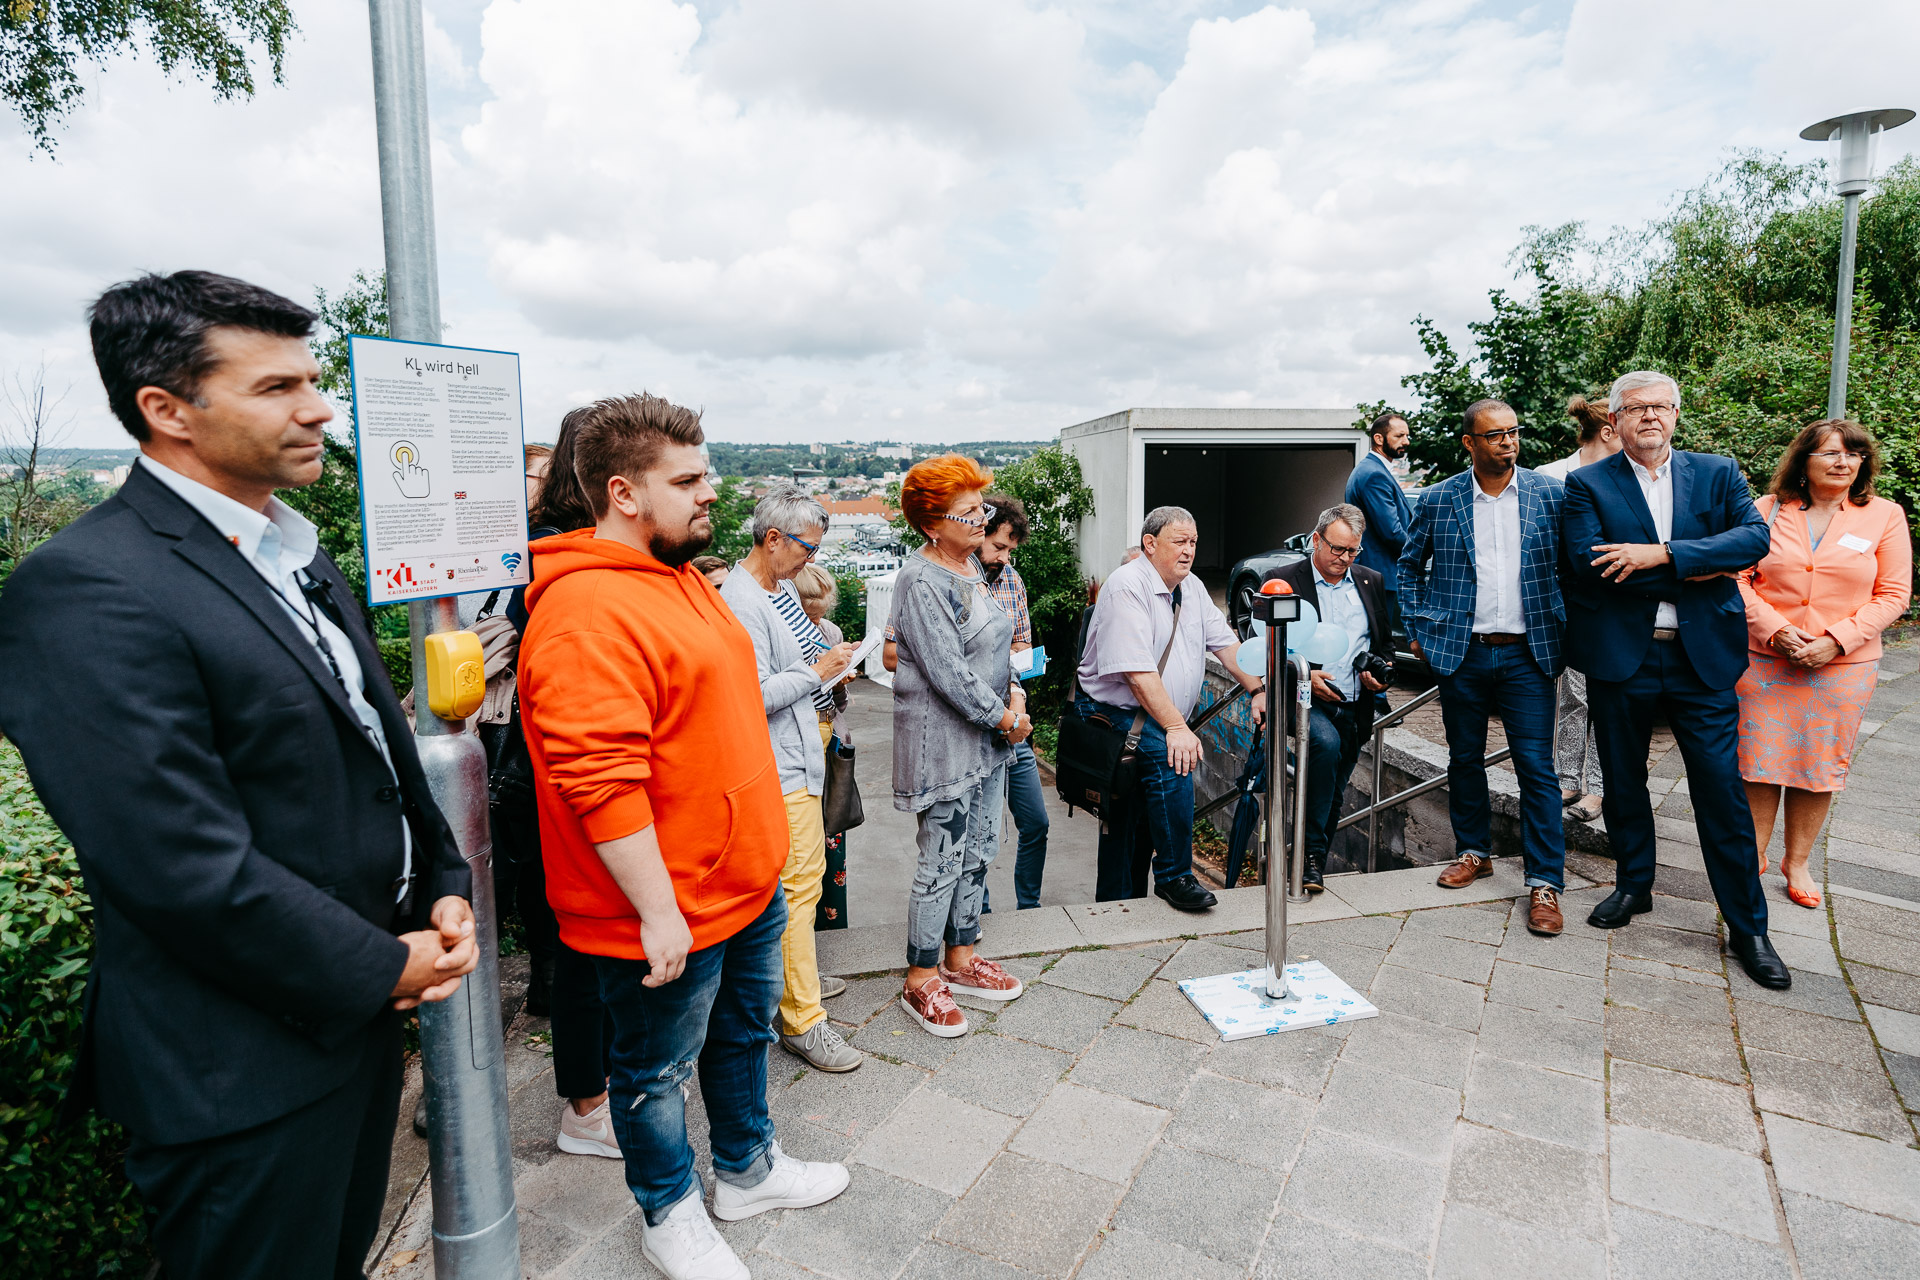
1027 800
1706 728
1333 747
1158 816
716 1017
1504 680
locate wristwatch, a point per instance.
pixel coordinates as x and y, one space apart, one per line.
1669 547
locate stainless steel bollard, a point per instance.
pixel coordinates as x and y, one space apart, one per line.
1277 859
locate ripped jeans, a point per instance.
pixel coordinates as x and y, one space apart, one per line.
957 840
717 1017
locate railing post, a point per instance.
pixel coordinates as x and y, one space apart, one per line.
1302 733
1373 799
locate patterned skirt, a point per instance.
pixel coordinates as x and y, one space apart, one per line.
1798 726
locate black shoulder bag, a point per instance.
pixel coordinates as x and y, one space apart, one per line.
1096 762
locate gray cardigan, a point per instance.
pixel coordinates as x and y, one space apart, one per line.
787 682
949 693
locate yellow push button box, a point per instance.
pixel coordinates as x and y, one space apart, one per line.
456 674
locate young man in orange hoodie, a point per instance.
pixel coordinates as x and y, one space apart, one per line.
662 827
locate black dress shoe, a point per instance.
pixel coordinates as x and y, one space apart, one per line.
1762 963
1313 879
1620 907
1186 893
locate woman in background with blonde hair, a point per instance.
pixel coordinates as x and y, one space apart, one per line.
1575 753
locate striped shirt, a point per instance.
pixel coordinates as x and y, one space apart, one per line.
812 643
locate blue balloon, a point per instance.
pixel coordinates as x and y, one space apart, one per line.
1328 647
1252 655
1301 632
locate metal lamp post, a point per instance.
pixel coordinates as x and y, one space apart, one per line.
476 1234
1853 173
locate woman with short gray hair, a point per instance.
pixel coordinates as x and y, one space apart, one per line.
797 673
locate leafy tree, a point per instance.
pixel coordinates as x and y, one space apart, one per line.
43 41
1732 294
732 515
1050 484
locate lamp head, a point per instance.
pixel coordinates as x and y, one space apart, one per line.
1853 166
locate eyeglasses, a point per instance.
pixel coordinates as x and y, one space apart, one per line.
986 517
813 548
1835 457
1511 433
1646 410
1339 552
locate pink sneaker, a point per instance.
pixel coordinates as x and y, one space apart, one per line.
983 979
933 1008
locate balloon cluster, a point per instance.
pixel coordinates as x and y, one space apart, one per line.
1323 646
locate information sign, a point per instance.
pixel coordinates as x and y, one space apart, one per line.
443 496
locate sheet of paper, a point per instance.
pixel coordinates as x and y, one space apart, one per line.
873 641
1023 662
1854 542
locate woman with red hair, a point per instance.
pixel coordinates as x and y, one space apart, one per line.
957 711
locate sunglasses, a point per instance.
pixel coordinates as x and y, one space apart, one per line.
986 517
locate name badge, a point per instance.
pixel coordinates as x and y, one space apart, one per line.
1854 542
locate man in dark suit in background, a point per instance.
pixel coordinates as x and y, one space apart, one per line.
1653 537
204 713
1481 581
1348 596
1373 488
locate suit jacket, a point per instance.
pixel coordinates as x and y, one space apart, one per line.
1375 490
1439 587
1373 599
237 828
1715 530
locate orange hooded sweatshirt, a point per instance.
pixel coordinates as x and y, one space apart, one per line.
641 704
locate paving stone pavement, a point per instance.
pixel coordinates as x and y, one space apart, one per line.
1622 1104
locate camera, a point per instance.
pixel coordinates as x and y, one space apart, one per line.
1377 665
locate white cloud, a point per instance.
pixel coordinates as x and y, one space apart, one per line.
948 221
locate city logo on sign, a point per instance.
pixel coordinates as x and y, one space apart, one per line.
400 575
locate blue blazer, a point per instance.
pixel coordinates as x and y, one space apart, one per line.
1375 490
1438 584
1716 529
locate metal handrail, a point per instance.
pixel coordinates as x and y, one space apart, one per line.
1372 811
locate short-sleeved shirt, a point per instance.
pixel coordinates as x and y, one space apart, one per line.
1131 623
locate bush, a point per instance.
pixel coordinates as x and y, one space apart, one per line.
66 1208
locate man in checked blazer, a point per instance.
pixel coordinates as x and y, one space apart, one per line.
1480 591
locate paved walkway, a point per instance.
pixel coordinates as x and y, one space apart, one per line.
1623 1104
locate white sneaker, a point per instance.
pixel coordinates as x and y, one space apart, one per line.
685 1245
587 1135
792 1184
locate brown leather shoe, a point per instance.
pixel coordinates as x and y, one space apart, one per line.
1543 912
1464 870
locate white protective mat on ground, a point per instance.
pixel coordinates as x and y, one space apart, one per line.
1237 1005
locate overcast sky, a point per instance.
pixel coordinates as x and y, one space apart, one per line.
937 220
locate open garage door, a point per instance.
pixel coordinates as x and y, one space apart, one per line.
1248 499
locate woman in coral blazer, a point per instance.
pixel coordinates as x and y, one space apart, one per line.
1839 570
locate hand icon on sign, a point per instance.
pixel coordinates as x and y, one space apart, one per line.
409 476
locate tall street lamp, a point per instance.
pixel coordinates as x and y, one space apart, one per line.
1852 174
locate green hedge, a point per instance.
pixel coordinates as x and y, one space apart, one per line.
66 1208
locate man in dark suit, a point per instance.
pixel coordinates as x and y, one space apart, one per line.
1480 583
1373 488
1348 596
1653 538
204 713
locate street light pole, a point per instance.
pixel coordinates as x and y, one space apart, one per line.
476 1233
1853 174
